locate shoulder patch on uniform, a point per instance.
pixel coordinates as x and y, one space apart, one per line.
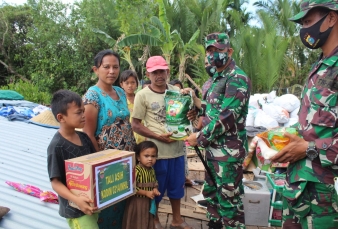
232 89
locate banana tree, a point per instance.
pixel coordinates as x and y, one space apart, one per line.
158 34
123 48
188 50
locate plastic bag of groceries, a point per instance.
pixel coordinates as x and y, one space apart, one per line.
277 139
289 102
177 106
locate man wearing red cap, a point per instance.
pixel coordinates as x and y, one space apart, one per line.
169 168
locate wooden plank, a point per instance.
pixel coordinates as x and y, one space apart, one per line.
198 189
184 212
196 175
196 166
205 225
189 155
183 203
193 222
199 210
163 218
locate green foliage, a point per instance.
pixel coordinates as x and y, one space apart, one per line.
30 91
52 44
263 65
14 44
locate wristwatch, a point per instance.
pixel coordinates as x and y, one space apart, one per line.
311 151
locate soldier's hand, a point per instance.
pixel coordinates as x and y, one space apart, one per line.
192 114
192 139
188 90
292 152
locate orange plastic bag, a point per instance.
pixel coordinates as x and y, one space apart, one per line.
277 139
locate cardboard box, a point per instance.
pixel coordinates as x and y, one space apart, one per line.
256 203
106 177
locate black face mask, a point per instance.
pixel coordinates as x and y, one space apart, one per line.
312 37
210 70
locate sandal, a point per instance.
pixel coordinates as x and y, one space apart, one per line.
158 225
181 226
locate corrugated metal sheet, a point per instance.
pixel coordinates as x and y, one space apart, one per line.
23 159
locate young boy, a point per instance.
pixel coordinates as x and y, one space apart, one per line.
67 143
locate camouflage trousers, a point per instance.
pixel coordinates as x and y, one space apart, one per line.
224 203
309 205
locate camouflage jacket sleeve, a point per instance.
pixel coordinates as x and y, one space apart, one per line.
318 114
201 111
328 148
225 110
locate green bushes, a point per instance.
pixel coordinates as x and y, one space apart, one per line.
30 91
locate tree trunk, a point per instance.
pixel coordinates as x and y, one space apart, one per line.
193 83
11 70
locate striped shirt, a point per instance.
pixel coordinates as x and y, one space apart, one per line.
145 179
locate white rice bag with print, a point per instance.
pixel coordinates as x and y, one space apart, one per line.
294 114
291 122
276 112
262 119
289 102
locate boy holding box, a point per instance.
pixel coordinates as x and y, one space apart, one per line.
67 143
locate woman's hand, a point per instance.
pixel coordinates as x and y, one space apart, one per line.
91 115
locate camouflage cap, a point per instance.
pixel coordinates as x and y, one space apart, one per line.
307 5
218 40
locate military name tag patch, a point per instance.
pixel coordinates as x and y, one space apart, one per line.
232 89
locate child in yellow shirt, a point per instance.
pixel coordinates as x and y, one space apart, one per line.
129 83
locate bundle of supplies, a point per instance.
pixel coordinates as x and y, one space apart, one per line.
270 111
106 177
267 144
177 106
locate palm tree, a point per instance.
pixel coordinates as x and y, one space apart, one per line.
260 53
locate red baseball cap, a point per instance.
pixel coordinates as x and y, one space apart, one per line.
155 63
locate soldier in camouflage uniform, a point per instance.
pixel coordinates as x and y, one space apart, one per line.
310 200
224 107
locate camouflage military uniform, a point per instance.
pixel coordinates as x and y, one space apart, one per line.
224 108
310 200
